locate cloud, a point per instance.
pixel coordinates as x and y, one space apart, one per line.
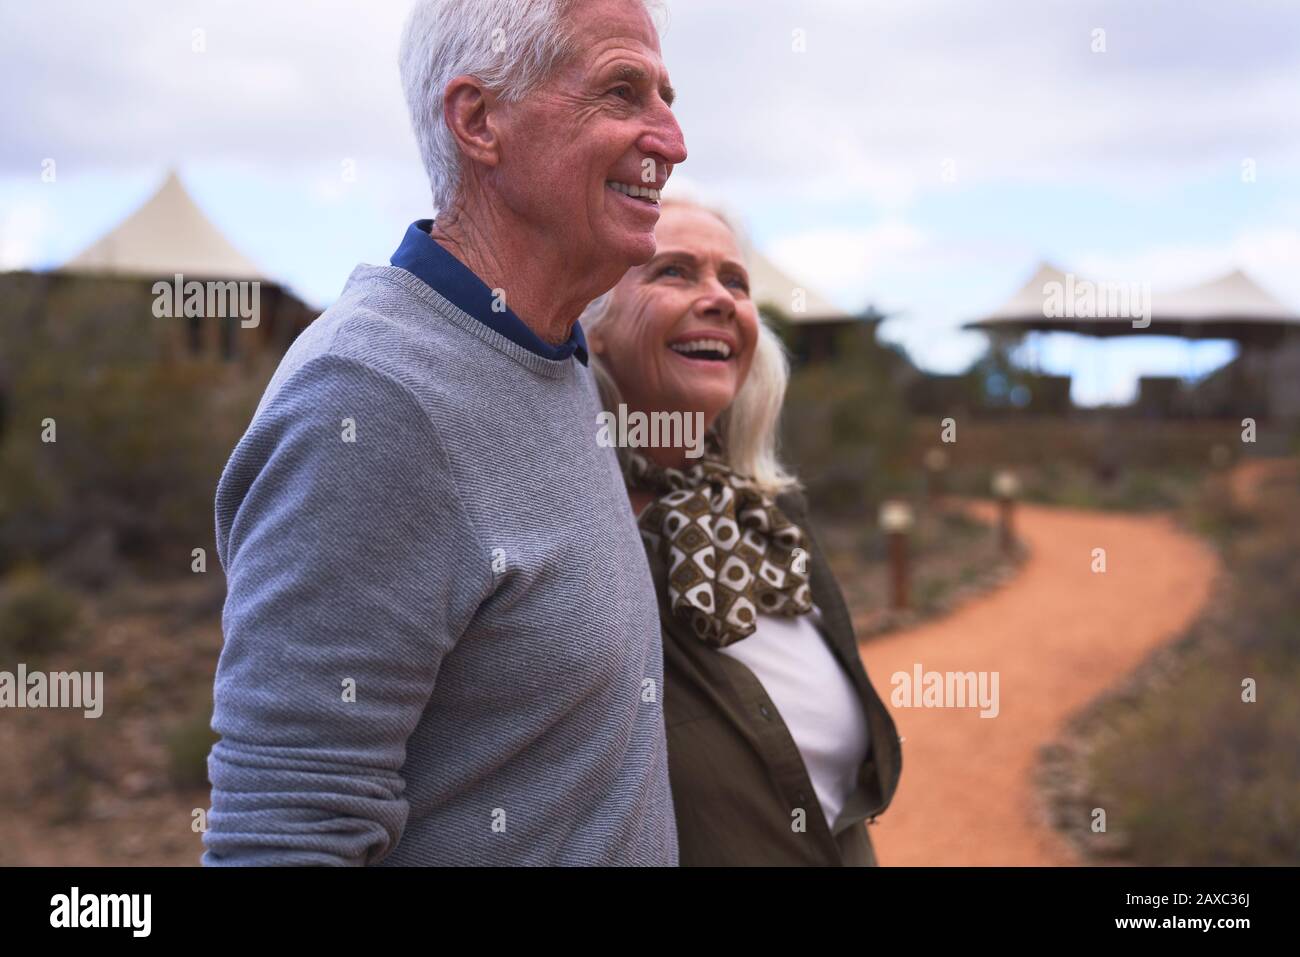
845 263
1269 254
885 93
126 84
879 98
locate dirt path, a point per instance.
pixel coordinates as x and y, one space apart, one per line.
1057 634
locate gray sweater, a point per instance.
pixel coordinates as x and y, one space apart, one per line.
442 641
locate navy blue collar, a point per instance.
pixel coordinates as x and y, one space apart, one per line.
426 259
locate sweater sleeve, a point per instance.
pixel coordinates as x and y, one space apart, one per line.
352 568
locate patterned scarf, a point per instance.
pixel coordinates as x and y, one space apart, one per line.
729 550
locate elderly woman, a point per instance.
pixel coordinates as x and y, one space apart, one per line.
778 746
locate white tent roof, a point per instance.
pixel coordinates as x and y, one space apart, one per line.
168 234
1231 298
770 284
1028 299
1223 307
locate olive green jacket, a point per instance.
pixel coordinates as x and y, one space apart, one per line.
740 788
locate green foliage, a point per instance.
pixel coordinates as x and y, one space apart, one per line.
1189 772
845 430
139 441
1197 777
67 773
38 617
995 381
188 745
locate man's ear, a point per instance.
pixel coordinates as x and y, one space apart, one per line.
467 109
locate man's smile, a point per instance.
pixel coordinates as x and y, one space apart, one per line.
643 194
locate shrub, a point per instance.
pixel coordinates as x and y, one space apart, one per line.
188 744
37 616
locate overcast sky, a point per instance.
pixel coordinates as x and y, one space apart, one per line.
921 155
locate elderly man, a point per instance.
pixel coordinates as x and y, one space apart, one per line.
441 637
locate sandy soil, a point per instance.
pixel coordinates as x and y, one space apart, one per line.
1057 635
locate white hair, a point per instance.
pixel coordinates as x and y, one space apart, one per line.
511 46
746 429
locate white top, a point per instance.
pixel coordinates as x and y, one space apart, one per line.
816 699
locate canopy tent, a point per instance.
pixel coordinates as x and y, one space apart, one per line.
814 321
771 286
1027 306
1231 307
169 234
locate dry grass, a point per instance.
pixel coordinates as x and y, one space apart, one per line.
1187 771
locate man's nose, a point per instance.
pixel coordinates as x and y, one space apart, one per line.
664 139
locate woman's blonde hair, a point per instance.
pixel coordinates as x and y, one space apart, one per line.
746 429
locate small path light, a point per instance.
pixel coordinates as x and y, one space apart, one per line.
896 519
1006 486
936 464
